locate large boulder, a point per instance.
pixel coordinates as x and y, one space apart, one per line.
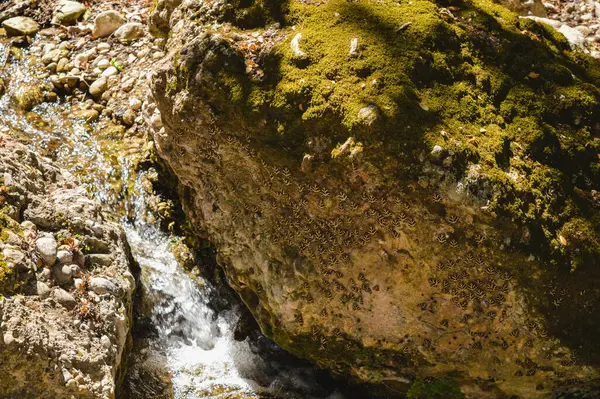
20 26
68 12
50 327
444 233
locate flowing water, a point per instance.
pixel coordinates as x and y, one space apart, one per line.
184 346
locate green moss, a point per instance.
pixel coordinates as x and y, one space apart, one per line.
440 388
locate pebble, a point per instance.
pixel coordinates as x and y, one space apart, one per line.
129 117
101 286
129 32
354 47
106 23
98 87
158 55
367 115
110 71
42 289
62 273
103 63
64 257
64 298
135 104
47 248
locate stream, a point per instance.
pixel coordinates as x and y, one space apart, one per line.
184 345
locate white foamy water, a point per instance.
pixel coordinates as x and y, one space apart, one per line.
203 357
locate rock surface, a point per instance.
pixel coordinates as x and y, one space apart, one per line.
42 313
107 22
20 26
377 260
68 12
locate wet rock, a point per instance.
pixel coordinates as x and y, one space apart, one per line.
102 286
20 26
88 115
98 87
68 12
47 248
28 96
129 32
64 298
106 23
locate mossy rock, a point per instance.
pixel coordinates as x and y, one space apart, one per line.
512 194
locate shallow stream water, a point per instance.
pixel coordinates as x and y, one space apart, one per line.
186 347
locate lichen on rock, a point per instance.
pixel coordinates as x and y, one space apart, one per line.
396 266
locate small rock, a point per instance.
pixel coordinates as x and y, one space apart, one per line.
105 342
106 23
129 117
81 60
45 274
64 257
110 71
354 47
8 338
42 289
62 273
574 36
129 32
68 12
101 286
158 55
367 115
103 63
28 96
306 165
21 26
135 104
47 248
437 152
98 87
54 55
61 66
295 46
64 298
100 259
88 115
